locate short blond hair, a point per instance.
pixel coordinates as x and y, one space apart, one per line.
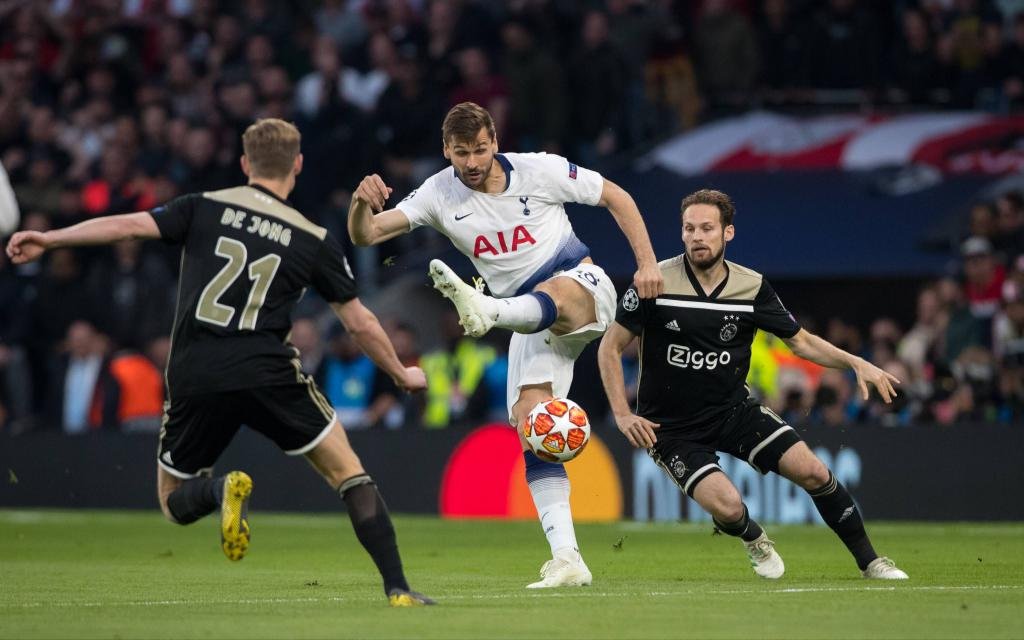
271 145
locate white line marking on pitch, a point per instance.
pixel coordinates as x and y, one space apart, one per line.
576 593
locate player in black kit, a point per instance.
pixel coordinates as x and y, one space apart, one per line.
247 257
692 401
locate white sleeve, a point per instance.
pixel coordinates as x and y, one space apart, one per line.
568 182
9 214
420 206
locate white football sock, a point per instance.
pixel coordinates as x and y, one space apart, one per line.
521 313
527 313
551 497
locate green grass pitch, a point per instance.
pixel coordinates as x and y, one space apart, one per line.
88 574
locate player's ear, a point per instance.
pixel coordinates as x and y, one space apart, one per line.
297 167
245 165
447 152
730 231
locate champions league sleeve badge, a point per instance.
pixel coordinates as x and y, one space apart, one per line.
631 300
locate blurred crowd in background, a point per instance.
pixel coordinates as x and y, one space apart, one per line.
110 106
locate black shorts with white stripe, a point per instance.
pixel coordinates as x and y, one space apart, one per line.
197 428
748 431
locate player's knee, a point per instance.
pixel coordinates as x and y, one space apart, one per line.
811 475
727 507
730 510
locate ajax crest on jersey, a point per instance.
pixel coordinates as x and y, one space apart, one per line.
729 329
557 430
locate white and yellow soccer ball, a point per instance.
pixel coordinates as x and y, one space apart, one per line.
557 430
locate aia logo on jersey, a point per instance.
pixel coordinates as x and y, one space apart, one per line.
506 243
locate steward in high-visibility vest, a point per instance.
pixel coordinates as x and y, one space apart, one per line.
452 377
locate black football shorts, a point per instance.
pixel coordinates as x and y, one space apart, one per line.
196 429
748 431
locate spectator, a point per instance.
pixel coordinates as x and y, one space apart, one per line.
135 393
918 347
782 44
15 375
348 381
1012 65
407 114
726 51
982 221
341 21
1008 239
81 374
132 293
833 401
962 328
843 48
478 84
983 280
306 337
914 70
596 91
453 373
536 94
390 407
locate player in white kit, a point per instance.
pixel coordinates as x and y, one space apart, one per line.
506 213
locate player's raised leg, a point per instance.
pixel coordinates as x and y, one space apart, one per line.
558 303
338 463
717 495
837 509
549 486
185 500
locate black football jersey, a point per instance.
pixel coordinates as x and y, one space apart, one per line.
246 259
694 347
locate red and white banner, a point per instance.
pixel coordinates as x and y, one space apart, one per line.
957 142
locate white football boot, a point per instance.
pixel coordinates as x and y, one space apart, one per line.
566 569
884 569
766 562
477 312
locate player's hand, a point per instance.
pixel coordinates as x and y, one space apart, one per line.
648 281
412 380
639 431
882 380
26 246
373 192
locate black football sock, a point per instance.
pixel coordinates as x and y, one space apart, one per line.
373 527
745 528
195 498
837 509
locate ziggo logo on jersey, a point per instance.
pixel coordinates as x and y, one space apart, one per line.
684 358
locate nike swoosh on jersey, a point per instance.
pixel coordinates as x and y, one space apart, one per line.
458 217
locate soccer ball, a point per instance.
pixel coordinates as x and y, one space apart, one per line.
557 430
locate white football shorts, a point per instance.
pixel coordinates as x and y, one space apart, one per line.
536 358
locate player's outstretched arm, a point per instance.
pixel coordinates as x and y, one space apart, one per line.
26 246
368 223
820 351
365 329
639 431
9 212
648 280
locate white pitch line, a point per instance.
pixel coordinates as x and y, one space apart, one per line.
575 593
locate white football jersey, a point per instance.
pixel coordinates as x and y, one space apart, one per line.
516 238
